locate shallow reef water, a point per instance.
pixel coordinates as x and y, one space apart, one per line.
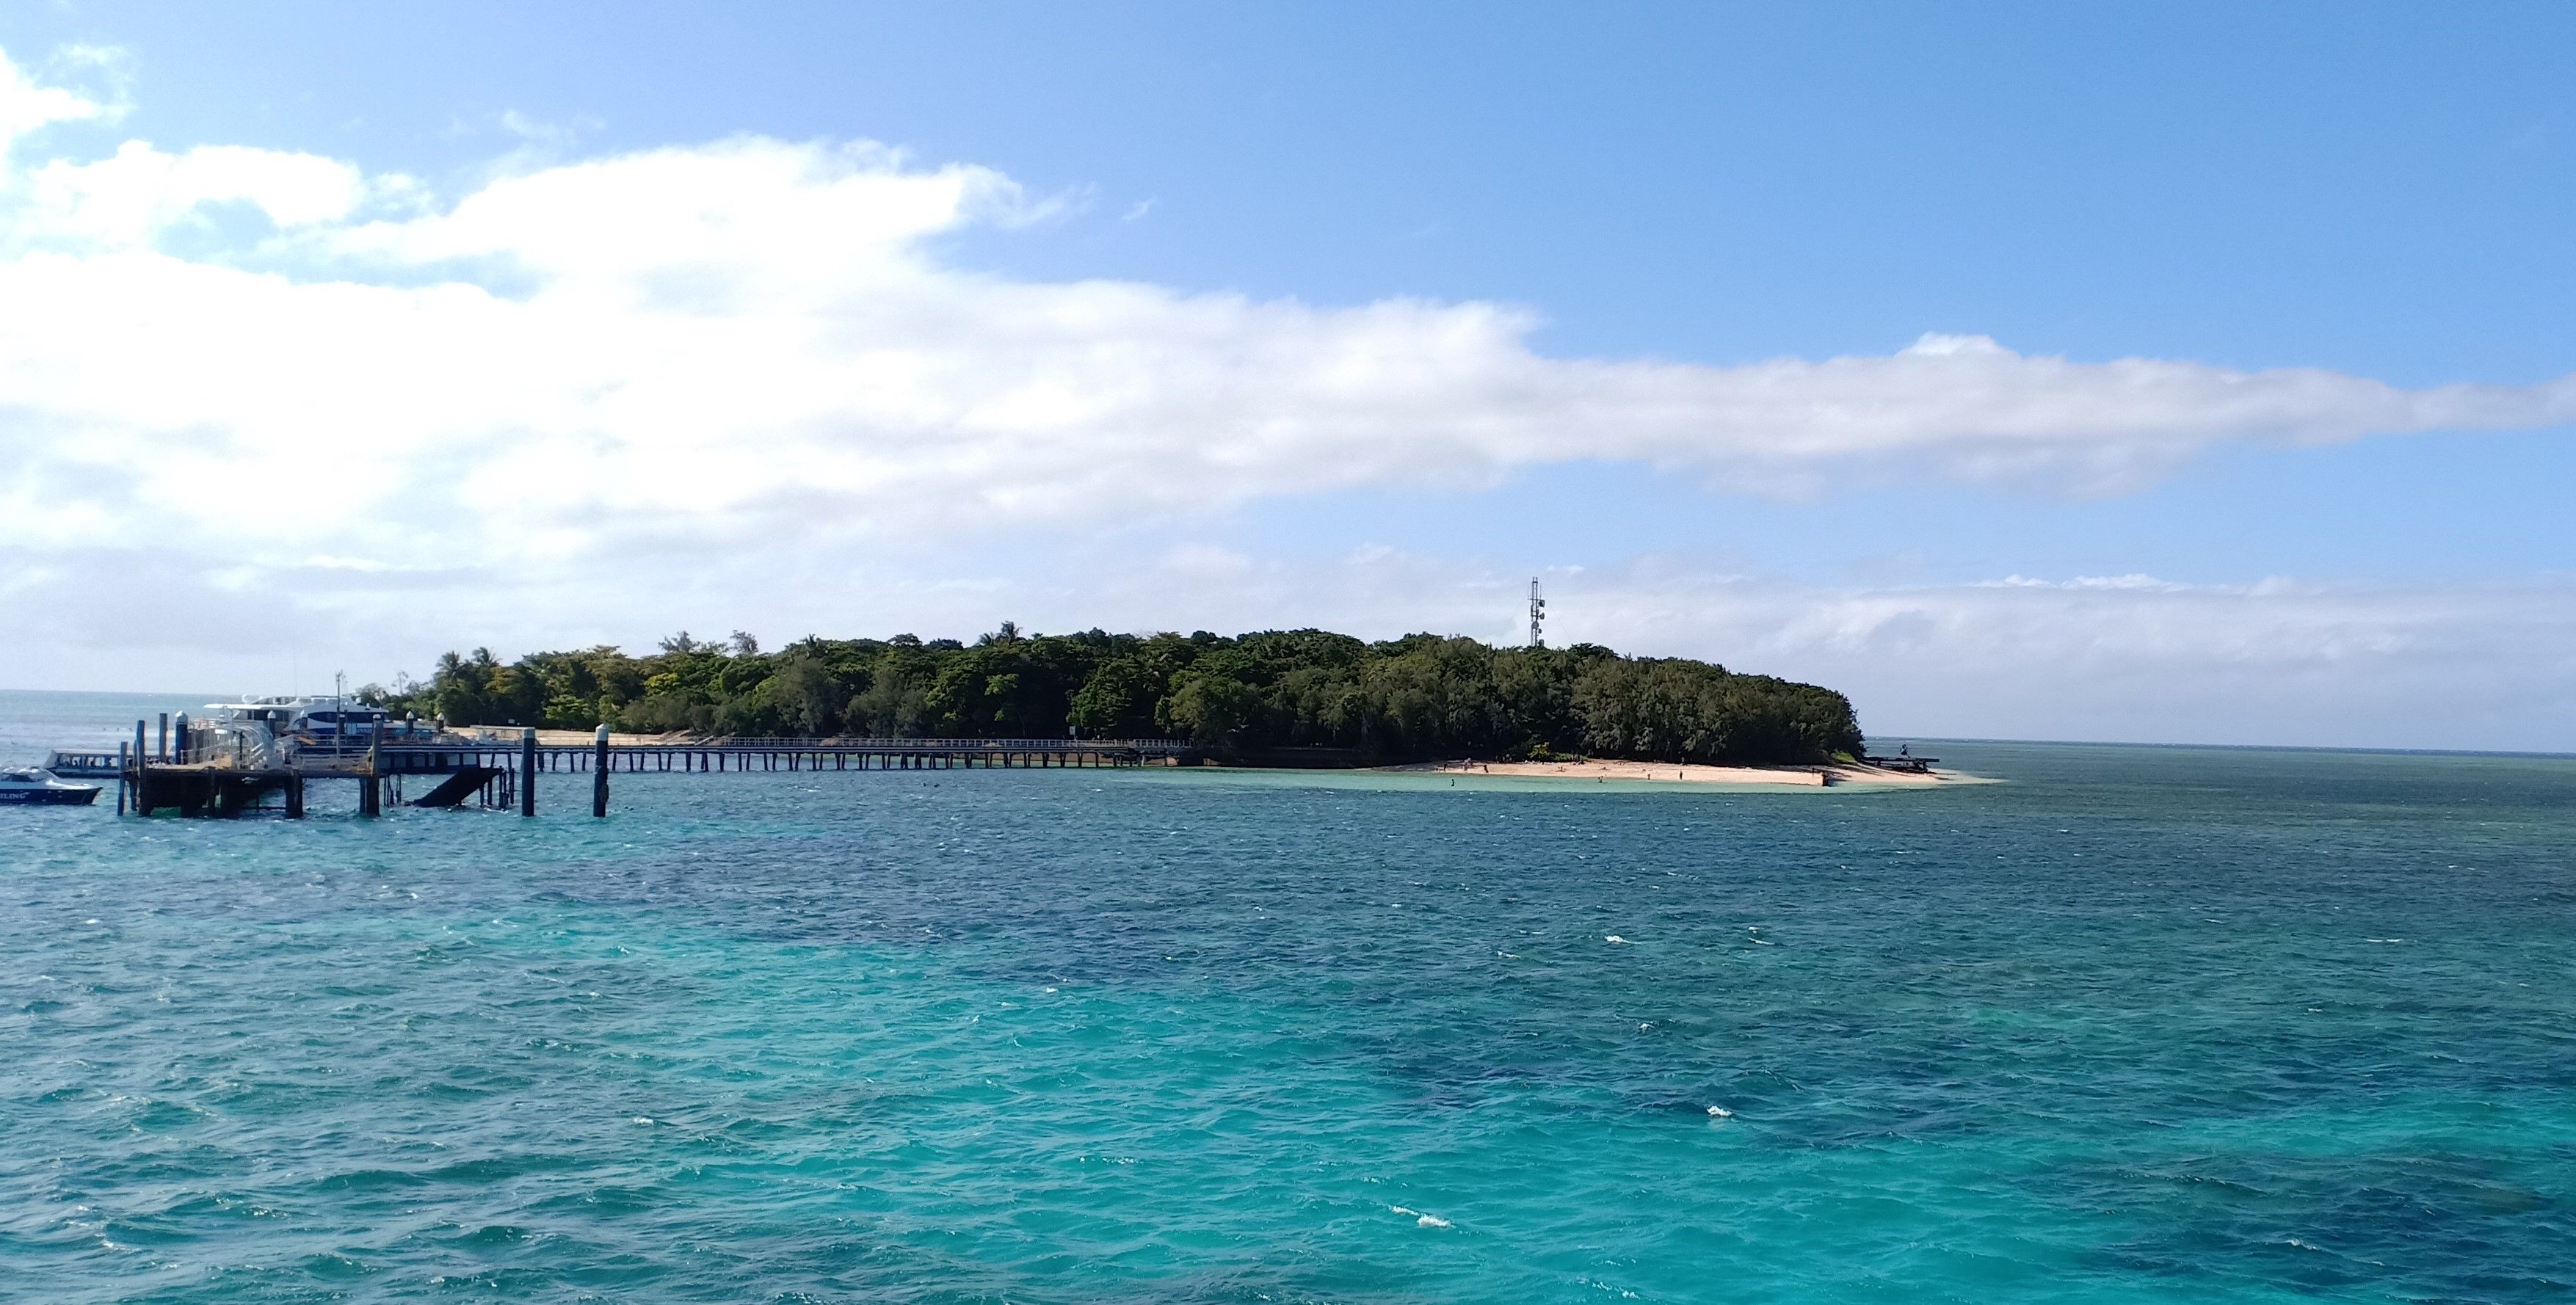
2136 1024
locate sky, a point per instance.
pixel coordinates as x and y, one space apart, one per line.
2165 373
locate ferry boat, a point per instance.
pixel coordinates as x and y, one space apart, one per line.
70 763
262 733
30 786
326 724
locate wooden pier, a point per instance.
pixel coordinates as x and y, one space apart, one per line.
716 756
202 779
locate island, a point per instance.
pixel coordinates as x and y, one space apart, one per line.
1289 698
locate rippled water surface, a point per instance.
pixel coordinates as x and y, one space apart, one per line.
2139 1024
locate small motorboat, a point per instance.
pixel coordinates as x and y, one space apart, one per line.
31 786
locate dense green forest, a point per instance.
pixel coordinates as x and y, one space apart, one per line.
1418 697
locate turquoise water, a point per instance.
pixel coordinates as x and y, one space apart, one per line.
2140 1024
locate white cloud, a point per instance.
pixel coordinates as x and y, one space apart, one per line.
2132 581
127 200
1207 562
2134 658
26 106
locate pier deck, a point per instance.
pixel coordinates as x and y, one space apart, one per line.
719 755
493 771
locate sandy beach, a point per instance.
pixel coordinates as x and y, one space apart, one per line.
1835 776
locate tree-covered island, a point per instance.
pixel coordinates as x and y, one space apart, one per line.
1272 695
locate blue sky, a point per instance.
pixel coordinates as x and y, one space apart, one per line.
2379 193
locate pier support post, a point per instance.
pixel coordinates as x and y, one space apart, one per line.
161 745
124 778
295 797
599 775
527 772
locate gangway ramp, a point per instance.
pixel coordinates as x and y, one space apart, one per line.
456 788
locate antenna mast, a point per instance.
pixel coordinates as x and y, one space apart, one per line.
1538 612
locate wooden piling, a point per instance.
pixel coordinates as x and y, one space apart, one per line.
527 772
599 775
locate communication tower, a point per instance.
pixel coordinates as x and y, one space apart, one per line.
1538 612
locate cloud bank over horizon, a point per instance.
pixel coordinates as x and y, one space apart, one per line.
587 395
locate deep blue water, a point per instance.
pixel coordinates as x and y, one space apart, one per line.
2138 1024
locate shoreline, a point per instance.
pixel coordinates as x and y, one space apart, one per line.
1836 775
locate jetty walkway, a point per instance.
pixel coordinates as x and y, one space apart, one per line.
217 776
722 754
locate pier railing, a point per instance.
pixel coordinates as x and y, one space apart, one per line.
746 753
234 747
505 737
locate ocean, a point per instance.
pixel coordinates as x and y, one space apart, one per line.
2136 1024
